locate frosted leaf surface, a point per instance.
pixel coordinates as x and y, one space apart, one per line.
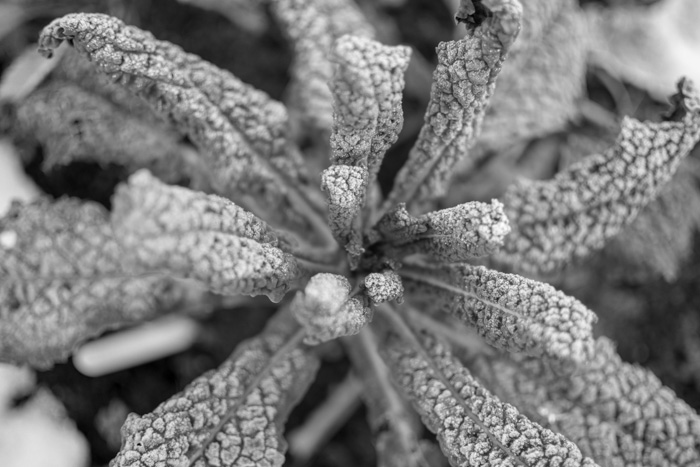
240 131
463 82
618 412
231 416
61 268
346 189
462 232
384 286
367 117
567 217
474 427
327 310
204 237
538 88
313 26
511 312
77 68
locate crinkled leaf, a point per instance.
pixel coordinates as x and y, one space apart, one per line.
558 220
462 86
313 26
72 124
473 426
61 270
465 231
367 117
384 286
231 416
327 309
511 312
537 90
204 237
240 131
618 413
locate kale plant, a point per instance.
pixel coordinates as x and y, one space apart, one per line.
394 277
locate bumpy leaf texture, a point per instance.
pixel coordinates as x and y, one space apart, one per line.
511 312
205 237
313 26
395 426
576 212
474 427
61 269
463 83
367 118
240 131
327 308
618 413
231 416
537 89
384 286
463 232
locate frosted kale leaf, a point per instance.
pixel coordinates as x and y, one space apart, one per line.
463 82
204 237
558 220
463 232
474 427
61 269
240 131
617 412
384 286
511 312
367 118
231 416
537 90
327 308
313 26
